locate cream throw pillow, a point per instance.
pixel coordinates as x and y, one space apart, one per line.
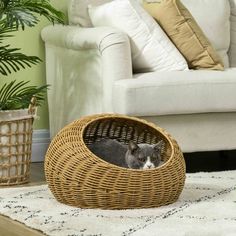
151 49
185 33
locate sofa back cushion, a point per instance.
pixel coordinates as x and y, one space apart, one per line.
186 34
78 11
213 18
205 12
232 49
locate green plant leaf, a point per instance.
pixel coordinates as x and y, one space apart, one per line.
21 13
15 14
17 95
12 60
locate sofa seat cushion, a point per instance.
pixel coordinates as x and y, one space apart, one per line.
175 92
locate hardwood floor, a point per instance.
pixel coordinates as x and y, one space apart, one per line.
37 174
10 227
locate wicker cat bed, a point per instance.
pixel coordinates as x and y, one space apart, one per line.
79 178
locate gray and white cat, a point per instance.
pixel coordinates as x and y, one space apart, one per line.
135 156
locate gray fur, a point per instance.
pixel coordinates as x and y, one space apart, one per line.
111 151
133 156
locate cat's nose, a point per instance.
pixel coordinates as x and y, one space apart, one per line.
149 166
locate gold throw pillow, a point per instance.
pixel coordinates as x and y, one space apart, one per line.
185 33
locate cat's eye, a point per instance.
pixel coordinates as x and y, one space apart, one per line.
142 159
154 158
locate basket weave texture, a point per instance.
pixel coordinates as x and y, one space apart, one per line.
79 178
15 148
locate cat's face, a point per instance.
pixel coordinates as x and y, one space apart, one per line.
144 156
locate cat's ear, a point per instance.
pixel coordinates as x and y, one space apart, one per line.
159 147
133 146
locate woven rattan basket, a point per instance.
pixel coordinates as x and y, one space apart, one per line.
16 128
77 177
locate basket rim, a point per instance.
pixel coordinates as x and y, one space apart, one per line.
15 115
97 117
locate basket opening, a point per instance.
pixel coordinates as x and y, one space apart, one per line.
124 130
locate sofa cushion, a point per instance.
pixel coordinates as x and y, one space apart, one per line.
151 49
175 92
185 33
78 11
78 15
214 23
213 18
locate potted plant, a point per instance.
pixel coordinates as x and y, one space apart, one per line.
18 99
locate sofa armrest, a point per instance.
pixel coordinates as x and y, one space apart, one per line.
77 38
81 67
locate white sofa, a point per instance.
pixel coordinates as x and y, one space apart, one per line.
90 71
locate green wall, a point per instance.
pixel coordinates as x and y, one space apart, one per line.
31 43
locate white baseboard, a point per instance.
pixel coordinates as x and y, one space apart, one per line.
41 140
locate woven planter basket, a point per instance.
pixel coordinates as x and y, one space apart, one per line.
16 127
79 178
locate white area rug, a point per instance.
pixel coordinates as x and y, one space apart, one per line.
206 207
